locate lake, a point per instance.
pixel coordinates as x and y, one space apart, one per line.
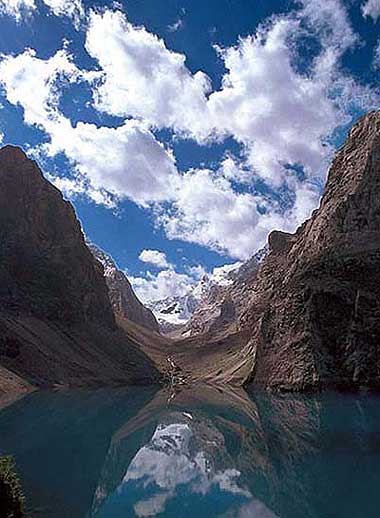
197 452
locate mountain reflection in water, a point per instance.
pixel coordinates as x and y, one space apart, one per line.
201 452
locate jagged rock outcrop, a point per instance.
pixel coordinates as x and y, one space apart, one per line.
175 313
123 299
313 314
57 325
222 303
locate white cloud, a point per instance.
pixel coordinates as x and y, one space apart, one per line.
371 8
20 9
174 27
17 8
281 116
154 257
209 212
330 22
142 78
376 56
71 8
25 73
167 283
126 161
1 137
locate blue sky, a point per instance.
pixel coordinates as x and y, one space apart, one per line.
183 131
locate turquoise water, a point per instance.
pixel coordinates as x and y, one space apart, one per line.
209 452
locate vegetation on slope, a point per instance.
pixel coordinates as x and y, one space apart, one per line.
11 496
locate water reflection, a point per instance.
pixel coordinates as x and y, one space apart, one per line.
201 452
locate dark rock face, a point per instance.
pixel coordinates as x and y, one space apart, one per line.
123 299
314 311
57 325
45 265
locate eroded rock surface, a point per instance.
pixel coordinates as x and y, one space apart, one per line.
57 325
313 314
123 299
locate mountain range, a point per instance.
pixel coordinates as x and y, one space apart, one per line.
197 310
302 315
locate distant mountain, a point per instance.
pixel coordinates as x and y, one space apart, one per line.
123 299
57 325
173 313
207 303
223 299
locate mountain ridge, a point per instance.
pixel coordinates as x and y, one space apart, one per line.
307 317
123 299
57 326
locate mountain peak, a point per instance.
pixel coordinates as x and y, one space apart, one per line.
15 152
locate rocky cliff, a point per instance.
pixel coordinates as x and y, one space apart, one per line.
309 317
56 322
45 265
313 314
123 299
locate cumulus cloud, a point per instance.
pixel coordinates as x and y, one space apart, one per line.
371 8
17 8
20 9
167 283
281 115
208 211
281 110
26 73
142 78
154 257
124 161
